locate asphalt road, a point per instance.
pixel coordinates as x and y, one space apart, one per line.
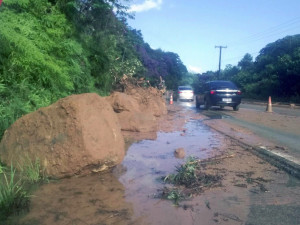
265 208
284 110
284 138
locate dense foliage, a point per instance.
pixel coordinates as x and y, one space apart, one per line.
158 63
53 48
275 72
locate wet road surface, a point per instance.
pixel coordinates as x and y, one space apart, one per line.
287 139
282 137
129 194
277 109
148 160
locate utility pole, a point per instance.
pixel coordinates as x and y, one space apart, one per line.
220 47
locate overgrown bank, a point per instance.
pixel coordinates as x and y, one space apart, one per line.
50 49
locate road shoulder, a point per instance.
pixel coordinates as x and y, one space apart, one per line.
273 153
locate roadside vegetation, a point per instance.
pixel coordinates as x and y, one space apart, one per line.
50 49
15 188
32 171
274 72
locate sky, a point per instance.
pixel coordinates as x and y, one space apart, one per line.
193 28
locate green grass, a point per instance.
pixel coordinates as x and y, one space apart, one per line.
1 169
31 170
13 198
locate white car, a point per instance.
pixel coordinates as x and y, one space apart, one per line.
185 93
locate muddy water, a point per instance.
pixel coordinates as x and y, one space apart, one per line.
127 196
79 201
147 161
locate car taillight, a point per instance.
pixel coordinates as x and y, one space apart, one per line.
212 92
239 92
179 92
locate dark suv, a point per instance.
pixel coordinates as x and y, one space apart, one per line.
219 93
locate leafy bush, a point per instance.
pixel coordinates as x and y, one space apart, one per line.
39 61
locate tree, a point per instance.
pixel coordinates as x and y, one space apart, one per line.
246 63
278 68
229 72
159 63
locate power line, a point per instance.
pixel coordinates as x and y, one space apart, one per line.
288 25
253 53
270 32
275 33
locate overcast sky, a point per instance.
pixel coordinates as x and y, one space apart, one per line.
193 28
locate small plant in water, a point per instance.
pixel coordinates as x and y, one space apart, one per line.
175 196
13 198
186 173
172 194
189 179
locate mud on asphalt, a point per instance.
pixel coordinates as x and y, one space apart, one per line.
251 191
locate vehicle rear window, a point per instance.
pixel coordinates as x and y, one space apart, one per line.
222 85
185 88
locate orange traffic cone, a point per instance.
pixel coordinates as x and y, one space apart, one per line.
269 106
171 99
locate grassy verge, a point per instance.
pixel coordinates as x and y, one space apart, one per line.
14 197
31 170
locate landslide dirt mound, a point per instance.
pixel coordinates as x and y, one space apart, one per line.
75 135
122 102
149 99
129 113
138 107
82 133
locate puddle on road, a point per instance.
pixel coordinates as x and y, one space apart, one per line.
216 115
158 154
147 161
127 195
